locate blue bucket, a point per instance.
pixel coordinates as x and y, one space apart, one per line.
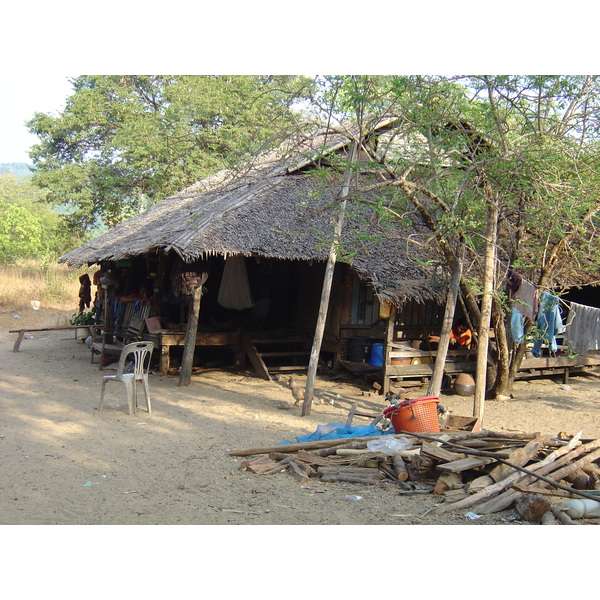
376 359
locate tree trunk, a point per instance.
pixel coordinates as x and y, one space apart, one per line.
326 291
185 375
486 304
435 383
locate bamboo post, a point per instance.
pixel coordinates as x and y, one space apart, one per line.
185 375
326 292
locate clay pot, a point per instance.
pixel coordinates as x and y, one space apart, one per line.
464 385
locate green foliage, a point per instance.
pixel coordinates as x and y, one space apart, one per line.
124 142
84 318
28 227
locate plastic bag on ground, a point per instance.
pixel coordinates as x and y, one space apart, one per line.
389 445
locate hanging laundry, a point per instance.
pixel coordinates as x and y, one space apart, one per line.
517 332
582 332
549 323
234 292
513 281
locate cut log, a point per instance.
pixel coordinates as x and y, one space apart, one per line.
421 468
479 483
581 481
448 481
263 467
532 507
399 467
301 471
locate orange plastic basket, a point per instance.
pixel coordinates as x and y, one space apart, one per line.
418 415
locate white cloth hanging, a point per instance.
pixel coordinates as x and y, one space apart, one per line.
582 332
234 292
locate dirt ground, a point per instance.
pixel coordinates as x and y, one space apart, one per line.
65 463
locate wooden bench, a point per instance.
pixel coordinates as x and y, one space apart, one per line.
21 332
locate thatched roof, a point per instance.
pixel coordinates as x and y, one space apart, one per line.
275 208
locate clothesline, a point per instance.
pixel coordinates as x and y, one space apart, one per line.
581 331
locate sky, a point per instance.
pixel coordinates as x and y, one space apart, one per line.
21 100
53 45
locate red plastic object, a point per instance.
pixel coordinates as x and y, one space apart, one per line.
417 416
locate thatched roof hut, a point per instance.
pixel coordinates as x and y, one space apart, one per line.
278 207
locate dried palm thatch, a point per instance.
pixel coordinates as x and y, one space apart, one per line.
278 207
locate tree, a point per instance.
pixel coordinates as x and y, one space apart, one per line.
28 227
513 156
124 142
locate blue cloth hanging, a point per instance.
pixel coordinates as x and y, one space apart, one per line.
516 326
549 323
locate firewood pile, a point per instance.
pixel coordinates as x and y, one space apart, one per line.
482 472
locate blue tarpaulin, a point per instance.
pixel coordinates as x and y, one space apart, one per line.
334 431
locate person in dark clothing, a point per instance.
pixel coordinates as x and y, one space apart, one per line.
85 292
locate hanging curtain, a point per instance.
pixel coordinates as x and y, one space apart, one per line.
234 292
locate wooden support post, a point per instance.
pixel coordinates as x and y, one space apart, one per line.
185 374
19 340
389 338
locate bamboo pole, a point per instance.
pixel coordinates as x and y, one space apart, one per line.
326 291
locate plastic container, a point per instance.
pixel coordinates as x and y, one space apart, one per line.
582 509
376 358
417 416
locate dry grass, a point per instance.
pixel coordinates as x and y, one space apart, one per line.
53 285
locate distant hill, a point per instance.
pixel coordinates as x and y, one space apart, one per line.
16 169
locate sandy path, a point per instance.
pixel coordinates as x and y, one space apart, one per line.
63 462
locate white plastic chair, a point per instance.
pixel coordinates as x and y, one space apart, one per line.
142 352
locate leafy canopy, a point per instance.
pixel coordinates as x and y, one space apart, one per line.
28 227
124 142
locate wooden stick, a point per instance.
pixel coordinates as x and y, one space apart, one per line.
590 446
350 479
316 445
504 483
300 471
509 496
